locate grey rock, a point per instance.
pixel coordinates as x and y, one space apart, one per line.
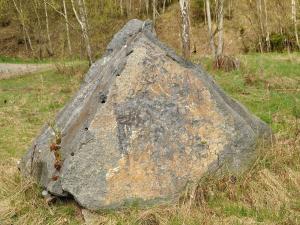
144 123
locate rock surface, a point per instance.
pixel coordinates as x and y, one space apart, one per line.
143 124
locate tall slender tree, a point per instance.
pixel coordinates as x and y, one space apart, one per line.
185 28
39 26
294 18
260 19
210 31
22 20
147 6
267 26
82 20
154 11
67 27
50 49
220 21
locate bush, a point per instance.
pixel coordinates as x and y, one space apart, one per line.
278 42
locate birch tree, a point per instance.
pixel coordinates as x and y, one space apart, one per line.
154 11
210 31
21 16
64 14
82 20
121 7
67 27
260 18
185 27
267 27
220 20
147 6
36 7
47 29
294 18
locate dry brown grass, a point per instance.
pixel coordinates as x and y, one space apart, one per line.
269 189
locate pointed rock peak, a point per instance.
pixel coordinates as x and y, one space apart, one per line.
143 124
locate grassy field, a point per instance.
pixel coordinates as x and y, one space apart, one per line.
268 193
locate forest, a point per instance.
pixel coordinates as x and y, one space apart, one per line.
251 49
50 29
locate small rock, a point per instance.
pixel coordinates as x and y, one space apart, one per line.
19 165
45 193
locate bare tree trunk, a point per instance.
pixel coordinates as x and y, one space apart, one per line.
294 18
147 6
28 38
210 32
220 20
47 29
36 6
121 7
164 6
204 11
140 6
24 28
262 33
267 27
229 9
154 11
128 7
24 38
67 27
185 28
82 20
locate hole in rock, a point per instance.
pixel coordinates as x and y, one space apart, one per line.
103 98
129 52
72 154
86 128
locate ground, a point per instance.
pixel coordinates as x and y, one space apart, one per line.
268 193
8 70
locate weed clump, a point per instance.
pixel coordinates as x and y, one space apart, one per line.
226 63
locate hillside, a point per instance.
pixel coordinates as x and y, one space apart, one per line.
242 32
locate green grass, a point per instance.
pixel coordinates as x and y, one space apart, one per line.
276 71
28 102
269 193
7 59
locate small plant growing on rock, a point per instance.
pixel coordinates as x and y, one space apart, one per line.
55 147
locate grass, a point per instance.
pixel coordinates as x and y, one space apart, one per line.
7 59
268 193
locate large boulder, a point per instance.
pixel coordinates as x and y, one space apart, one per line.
143 124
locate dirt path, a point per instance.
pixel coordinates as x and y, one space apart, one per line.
8 70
